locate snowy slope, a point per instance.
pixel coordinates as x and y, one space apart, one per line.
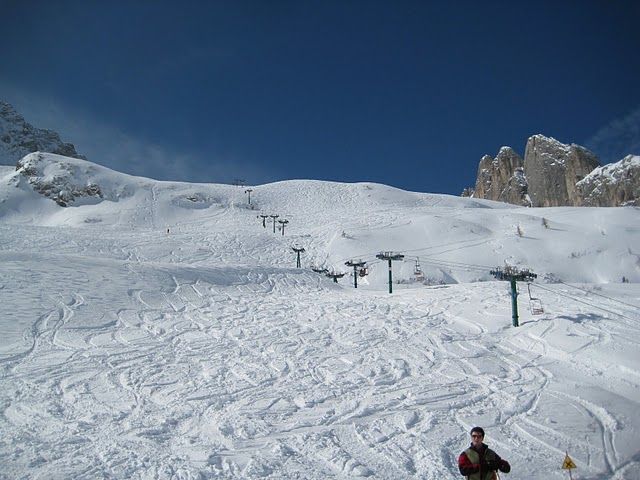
130 352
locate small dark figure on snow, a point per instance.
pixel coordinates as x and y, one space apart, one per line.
479 462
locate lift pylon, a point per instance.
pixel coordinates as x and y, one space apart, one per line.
274 221
283 223
513 275
390 256
298 249
355 264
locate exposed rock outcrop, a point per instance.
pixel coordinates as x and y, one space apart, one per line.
553 174
553 169
19 138
616 184
61 181
502 178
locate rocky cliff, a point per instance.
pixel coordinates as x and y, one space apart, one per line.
555 174
553 169
502 178
617 184
19 138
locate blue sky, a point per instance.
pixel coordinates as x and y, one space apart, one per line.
410 94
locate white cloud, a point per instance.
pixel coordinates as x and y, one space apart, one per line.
618 139
109 146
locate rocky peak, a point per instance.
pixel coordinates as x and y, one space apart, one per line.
19 138
552 170
502 178
555 174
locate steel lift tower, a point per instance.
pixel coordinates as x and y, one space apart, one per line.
283 223
298 251
274 222
513 275
355 264
390 256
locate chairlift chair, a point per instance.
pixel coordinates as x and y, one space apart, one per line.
535 304
417 271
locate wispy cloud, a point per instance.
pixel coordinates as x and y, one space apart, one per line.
111 147
617 139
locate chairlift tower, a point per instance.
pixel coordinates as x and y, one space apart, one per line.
335 276
390 256
274 222
513 275
298 251
264 220
355 264
248 191
283 223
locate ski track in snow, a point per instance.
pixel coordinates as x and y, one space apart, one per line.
202 354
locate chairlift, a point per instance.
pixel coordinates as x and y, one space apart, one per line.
363 272
535 304
417 271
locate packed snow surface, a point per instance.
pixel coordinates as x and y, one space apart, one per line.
163 332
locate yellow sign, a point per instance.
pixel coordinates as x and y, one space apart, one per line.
568 463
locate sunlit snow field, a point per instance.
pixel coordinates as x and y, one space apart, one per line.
130 351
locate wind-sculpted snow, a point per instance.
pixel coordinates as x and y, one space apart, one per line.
164 341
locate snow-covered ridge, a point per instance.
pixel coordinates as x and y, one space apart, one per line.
335 221
72 182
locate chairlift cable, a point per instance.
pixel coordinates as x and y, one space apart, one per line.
455 265
600 295
583 302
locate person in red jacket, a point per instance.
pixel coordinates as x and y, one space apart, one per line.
479 462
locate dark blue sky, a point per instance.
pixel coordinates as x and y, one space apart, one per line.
411 94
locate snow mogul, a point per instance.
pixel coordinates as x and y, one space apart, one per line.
479 462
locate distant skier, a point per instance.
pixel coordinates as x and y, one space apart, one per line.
479 462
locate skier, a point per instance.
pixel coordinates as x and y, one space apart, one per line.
479 462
